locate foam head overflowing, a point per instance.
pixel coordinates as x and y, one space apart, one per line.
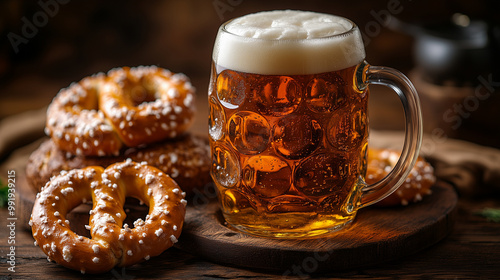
288 43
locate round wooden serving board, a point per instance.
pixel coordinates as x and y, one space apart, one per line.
377 235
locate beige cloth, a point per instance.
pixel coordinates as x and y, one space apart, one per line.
474 170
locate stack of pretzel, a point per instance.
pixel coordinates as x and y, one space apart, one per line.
141 113
111 136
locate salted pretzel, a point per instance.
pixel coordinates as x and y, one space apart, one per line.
147 104
417 185
75 122
113 243
186 159
127 106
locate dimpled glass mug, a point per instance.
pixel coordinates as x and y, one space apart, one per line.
288 123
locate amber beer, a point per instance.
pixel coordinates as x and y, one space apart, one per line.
288 123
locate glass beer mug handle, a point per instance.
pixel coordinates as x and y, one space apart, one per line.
397 81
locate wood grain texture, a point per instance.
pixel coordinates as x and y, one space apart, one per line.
377 235
471 251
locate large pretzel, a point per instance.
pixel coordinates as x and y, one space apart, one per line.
113 243
128 106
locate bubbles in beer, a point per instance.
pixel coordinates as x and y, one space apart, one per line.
291 203
216 120
248 132
267 176
325 95
347 129
296 136
230 89
287 144
330 204
225 167
279 95
322 174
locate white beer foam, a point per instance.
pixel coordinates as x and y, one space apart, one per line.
288 43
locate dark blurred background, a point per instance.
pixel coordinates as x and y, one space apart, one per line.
47 44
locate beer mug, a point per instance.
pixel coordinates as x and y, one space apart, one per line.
288 123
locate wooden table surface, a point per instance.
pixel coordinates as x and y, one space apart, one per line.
65 51
472 250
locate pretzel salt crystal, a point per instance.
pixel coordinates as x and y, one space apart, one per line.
415 187
126 106
113 243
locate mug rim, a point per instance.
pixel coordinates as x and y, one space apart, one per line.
348 32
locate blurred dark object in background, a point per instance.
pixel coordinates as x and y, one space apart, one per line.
456 50
64 41
457 74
